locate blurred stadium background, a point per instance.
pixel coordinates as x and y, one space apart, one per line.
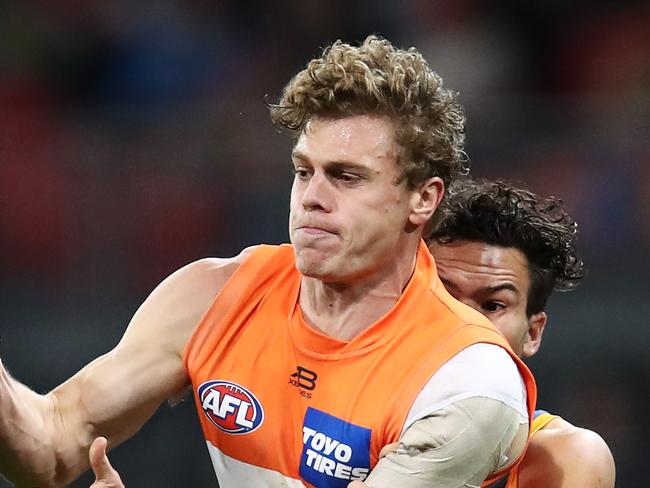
134 139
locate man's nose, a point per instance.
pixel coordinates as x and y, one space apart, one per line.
317 195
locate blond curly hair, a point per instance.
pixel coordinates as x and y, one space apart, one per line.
376 78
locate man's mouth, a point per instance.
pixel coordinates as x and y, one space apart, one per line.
315 230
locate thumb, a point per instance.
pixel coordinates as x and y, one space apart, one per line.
105 475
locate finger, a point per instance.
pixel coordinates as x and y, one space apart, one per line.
357 484
99 461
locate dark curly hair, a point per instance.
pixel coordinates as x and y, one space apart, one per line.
376 78
500 214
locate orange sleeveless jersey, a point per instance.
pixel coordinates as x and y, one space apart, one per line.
281 404
541 419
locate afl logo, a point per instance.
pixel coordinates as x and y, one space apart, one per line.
230 407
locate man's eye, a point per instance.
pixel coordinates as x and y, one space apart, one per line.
348 178
301 173
493 306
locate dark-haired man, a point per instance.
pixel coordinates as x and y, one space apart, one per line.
502 251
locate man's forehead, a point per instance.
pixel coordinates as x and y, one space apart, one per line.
349 132
361 141
479 260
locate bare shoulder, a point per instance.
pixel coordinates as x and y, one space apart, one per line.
174 308
563 455
213 272
207 275
569 441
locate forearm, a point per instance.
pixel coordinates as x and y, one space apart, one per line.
44 440
28 456
458 445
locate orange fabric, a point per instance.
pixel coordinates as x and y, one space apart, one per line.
539 422
254 337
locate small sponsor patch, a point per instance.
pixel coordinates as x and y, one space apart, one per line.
230 407
335 452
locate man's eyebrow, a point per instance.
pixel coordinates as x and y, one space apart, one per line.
331 165
346 166
488 290
298 155
504 286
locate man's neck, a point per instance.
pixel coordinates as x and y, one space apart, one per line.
345 310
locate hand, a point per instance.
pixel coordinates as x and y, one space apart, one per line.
105 475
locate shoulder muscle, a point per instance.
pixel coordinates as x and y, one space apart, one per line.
172 311
562 456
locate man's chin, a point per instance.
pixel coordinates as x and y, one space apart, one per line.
314 264
310 268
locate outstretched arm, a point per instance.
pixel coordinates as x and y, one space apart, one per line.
44 439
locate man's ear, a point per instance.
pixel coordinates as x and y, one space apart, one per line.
425 200
536 325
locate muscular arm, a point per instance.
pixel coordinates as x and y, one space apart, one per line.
459 445
564 456
44 439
